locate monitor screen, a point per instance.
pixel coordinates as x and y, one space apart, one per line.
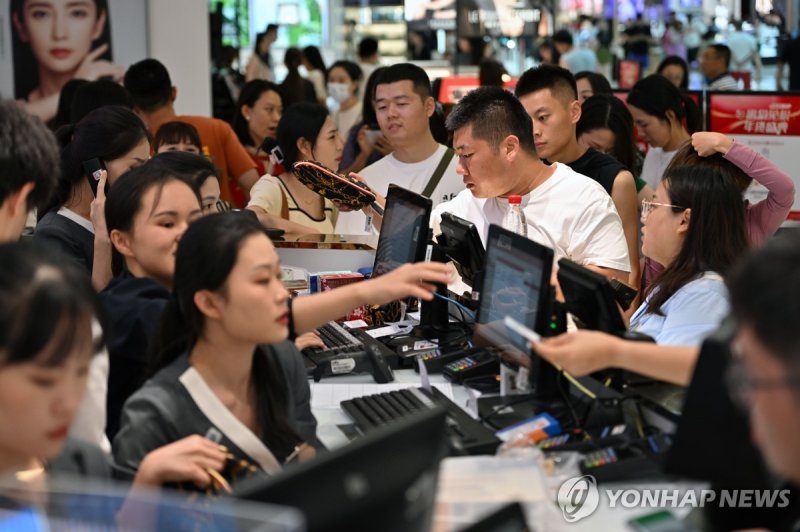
404 230
517 279
385 480
589 297
461 242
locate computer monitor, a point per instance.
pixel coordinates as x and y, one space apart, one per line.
385 480
462 244
516 280
404 230
517 283
713 441
590 298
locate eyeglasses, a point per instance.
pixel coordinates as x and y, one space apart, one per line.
648 206
741 386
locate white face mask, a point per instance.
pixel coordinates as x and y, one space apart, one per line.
339 91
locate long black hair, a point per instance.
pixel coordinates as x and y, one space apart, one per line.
301 120
249 95
26 73
47 306
214 243
605 111
716 238
655 95
106 133
124 199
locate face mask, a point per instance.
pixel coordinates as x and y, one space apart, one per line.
339 91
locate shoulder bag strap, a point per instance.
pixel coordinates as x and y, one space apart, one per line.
438 173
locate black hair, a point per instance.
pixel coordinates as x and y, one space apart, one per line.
547 43
47 306
26 73
301 120
175 132
604 111
407 72
598 82
564 37
674 60
716 236
687 155
95 94
271 27
124 199
368 107
264 58
763 290
353 70
195 167
65 97
494 114
293 88
655 95
723 52
249 95
367 47
559 81
149 84
106 133
314 57
215 241
29 153
490 73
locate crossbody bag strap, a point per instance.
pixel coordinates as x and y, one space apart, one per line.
438 173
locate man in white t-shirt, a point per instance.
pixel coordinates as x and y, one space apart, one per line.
403 106
565 210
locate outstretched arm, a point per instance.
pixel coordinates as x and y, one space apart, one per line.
409 280
584 352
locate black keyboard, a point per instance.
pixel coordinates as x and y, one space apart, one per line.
337 340
343 342
467 435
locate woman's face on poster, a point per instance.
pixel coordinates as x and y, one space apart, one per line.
60 32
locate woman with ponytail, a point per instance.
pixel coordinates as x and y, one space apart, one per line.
114 139
666 118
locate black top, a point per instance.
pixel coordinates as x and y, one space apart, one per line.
601 167
791 55
133 307
68 237
640 47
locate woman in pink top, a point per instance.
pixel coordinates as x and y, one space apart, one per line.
742 165
766 216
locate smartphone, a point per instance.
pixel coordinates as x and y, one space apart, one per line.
519 334
373 135
93 169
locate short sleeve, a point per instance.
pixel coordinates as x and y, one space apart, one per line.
266 194
598 238
693 313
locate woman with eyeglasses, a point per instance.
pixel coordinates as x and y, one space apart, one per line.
695 227
741 165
